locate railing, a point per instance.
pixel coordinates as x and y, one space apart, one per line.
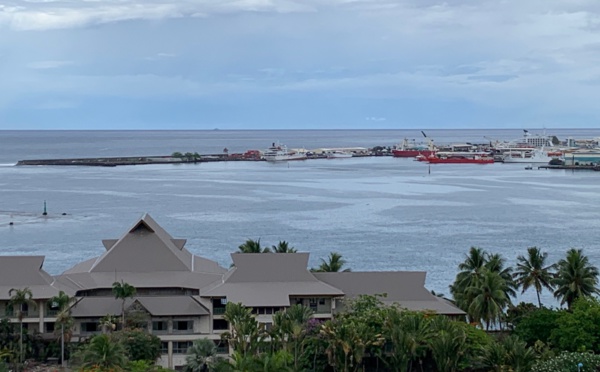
183 331
218 310
222 349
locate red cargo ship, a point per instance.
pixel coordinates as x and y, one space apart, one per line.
459 158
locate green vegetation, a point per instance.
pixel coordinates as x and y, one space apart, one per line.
188 156
367 334
123 291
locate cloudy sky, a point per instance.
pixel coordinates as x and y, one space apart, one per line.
261 64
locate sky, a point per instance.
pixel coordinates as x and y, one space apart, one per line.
299 64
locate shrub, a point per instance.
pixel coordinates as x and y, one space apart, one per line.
568 362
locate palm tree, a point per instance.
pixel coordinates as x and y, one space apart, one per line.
104 353
468 276
575 277
199 355
123 291
489 298
62 302
290 326
283 247
532 271
408 333
496 263
447 343
18 298
252 246
244 335
334 263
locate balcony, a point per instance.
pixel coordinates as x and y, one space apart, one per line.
218 310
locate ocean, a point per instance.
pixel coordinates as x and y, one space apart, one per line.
380 213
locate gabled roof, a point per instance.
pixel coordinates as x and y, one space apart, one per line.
406 288
146 247
19 272
172 306
269 279
92 307
146 256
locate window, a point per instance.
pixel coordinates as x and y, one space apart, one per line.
321 301
266 326
222 347
181 347
87 327
220 324
160 326
183 325
49 327
164 348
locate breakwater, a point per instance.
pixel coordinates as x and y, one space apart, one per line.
130 160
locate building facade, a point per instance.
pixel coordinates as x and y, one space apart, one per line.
181 297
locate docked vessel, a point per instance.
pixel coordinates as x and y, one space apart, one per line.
338 155
279 152
458 158
533 156
410 149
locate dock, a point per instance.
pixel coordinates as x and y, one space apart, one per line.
572 167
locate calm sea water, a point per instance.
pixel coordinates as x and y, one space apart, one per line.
381 213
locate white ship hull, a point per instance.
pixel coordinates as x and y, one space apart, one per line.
284 157
537 157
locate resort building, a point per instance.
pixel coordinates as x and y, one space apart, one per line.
181 297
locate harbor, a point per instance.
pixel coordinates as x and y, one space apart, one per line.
545 151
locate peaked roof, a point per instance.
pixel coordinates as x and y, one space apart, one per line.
407 288
145 247
269 279
146 256
155 305
19 272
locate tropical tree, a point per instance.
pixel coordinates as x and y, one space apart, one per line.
348 341
62 302
289 330
447 343
497 264
123 291
468 276
507 354
489 298
533 271
407 333
105 353
244 335
283 247
18 298
199 355
334 263
252 246
575 277
108 323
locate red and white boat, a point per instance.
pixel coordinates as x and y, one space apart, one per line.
458 158
408 149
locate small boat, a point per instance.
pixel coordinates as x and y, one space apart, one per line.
459 158
279 152
338 155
